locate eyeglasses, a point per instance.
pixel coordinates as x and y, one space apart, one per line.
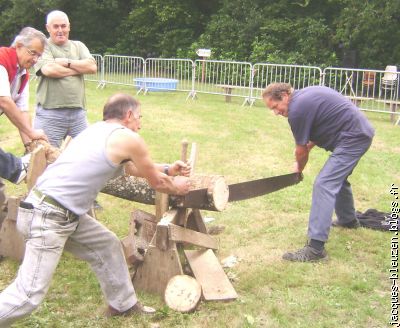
137 117
33 53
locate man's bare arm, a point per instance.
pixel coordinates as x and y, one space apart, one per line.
301 155
123 145
59 68
17 118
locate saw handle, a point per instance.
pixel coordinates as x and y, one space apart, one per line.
300 176
184 150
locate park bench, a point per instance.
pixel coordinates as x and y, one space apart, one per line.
228 90
393 105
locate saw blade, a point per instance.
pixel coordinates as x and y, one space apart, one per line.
255 188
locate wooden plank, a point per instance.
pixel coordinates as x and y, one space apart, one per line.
37 165
161 237
193 157
12 208
129 250
142 227
162 204
209 273
65 143
195 221
181 216
11 241
188 236
157 269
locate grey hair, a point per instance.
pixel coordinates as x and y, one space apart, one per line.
275 90
118 105
27 34
56 13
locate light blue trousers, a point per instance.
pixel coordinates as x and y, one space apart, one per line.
48 232
332 191
60 123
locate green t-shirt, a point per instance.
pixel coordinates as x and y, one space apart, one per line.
66 92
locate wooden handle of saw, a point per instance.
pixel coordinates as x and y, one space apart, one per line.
184 150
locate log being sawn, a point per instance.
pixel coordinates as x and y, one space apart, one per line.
138 190
215 198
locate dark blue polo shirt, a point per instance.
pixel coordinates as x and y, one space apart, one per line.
325 117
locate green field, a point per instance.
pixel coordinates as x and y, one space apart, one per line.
352 289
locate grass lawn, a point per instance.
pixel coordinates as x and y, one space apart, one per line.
352 289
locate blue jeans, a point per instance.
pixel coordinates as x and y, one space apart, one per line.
47 232
332 191
60 122
10 166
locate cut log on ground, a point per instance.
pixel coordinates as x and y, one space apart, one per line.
182 293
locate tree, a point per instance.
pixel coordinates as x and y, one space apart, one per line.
371 29
162 27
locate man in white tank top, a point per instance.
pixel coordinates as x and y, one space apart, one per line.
53 216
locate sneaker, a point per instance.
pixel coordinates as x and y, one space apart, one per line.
24 168
349 225
138 308
306 254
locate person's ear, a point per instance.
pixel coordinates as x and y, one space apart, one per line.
129 114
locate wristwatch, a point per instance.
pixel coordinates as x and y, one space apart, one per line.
69 63
166 169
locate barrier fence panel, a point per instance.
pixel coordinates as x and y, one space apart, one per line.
229 78
370 90
122 69
163 74
298 76
98 76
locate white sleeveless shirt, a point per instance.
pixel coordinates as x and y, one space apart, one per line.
82 169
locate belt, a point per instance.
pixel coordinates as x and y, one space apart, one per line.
47 199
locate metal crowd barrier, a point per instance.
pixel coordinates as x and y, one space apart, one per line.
370 90
99 75
161 74
229 78
297 75
122 70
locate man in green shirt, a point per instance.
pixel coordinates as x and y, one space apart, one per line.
60 94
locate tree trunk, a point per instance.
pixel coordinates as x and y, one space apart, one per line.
213 196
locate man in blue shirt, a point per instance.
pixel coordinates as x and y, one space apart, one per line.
321 116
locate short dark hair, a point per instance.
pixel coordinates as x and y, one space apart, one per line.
275 90
118 105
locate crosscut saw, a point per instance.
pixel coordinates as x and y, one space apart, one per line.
255 188
245 190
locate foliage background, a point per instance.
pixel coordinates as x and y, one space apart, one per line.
308 32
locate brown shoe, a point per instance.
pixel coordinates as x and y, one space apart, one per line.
138 308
